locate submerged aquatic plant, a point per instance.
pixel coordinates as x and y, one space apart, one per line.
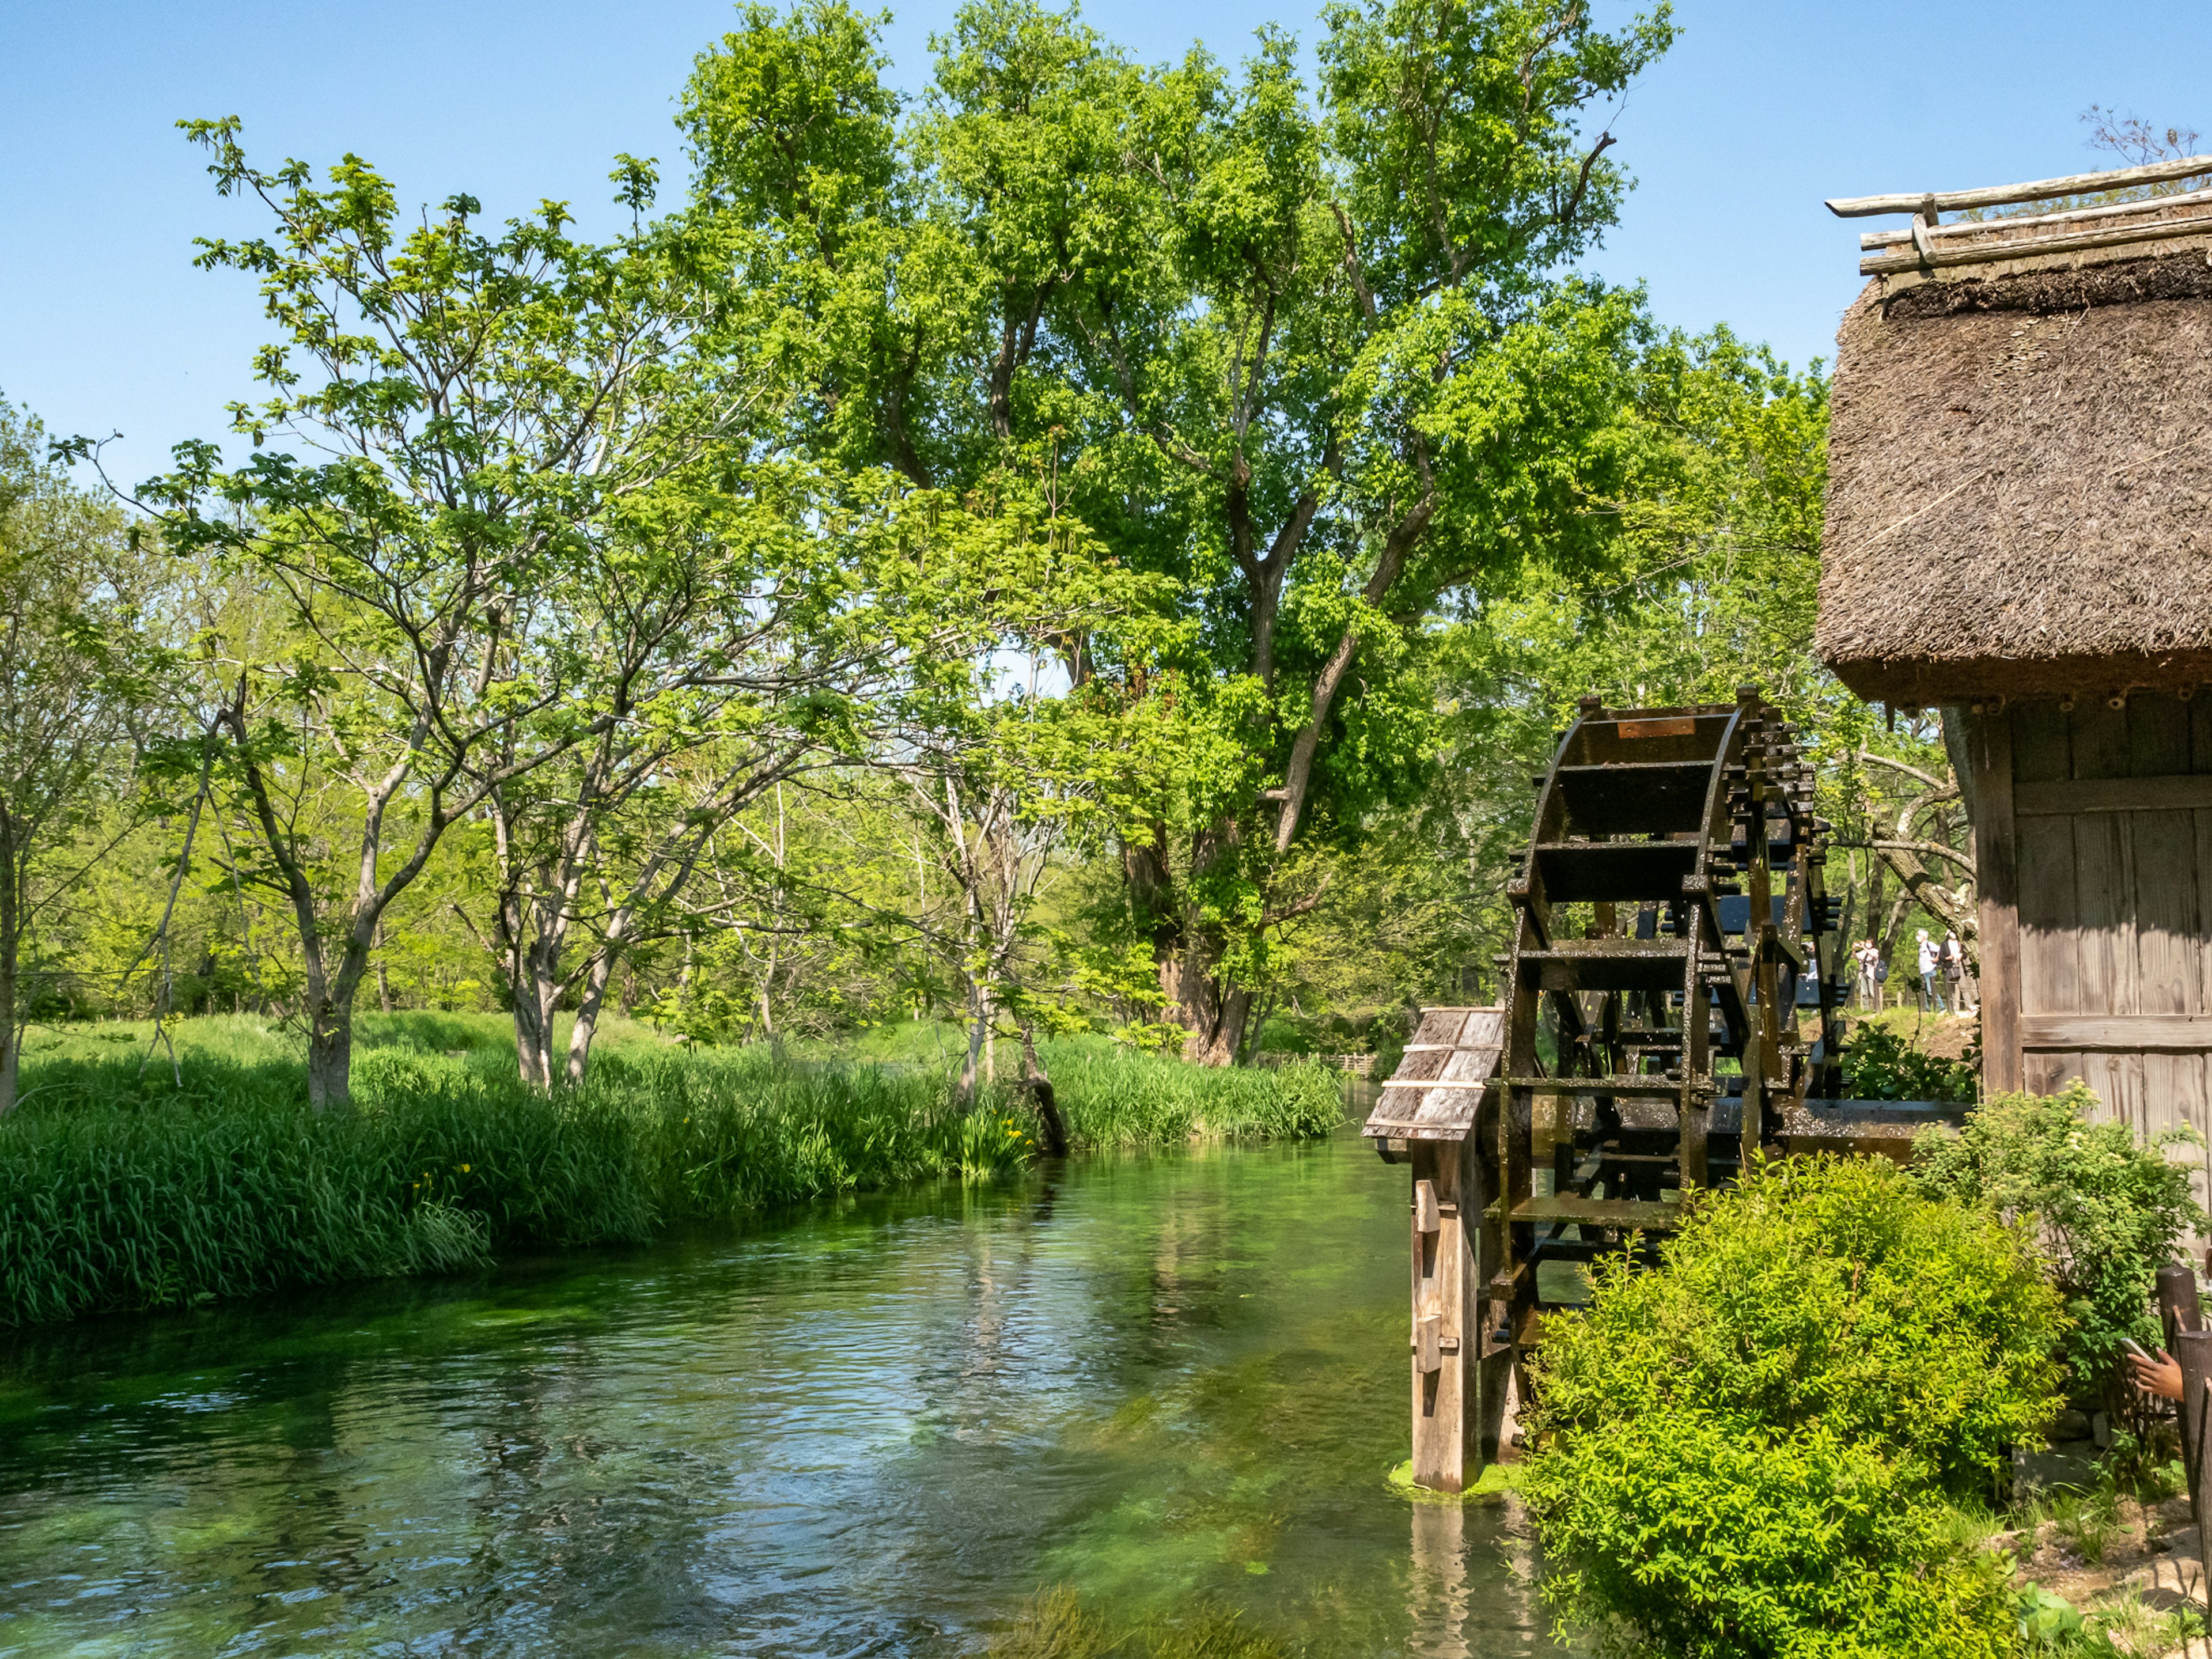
1055 1625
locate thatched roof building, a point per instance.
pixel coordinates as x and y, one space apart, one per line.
2021 477
2020 528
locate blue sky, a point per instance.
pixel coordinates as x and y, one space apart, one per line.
1760 111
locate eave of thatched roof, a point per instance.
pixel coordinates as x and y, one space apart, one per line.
2020 485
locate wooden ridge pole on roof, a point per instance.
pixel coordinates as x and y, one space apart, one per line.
1881 239
1859 207
1923 257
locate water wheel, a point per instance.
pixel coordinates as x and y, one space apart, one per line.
1672 996
1671 999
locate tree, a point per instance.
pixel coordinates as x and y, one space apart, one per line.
495 414
77 667
723 654
1309 363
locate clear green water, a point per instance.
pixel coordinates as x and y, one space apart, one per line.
876 1429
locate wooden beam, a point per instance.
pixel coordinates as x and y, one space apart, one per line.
1982 254
2179 793
1997 862
1967 227
2076 184
2123 1034
1601 1211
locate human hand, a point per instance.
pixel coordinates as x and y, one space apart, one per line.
2160 1375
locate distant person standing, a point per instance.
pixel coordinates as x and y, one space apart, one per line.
1868 957
1954 972
1929 957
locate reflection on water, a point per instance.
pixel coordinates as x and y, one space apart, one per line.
872 1429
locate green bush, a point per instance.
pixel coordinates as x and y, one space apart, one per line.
1880 1064
2108 1210
1755 1448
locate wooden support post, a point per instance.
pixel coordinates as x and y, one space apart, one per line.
2178 1311
1445 1292
2194 1350
1996 866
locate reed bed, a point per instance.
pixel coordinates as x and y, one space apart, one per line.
123 1187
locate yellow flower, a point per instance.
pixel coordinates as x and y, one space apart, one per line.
464 1169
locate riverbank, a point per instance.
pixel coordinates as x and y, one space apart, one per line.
127 1181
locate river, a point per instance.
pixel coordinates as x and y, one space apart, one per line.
873 1427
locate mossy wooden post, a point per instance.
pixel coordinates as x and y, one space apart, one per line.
1429 1119
2178 1311
2194 1350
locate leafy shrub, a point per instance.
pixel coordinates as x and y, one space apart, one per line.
1754 1449
2107 1208
1880 1064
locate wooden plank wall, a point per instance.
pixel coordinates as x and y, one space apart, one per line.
2115 901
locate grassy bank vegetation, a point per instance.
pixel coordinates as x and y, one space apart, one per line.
129 1184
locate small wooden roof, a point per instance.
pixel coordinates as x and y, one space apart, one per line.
2020 484
1436 1091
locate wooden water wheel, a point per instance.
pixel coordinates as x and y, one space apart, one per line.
1672 998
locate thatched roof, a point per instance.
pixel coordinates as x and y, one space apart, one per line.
2020 484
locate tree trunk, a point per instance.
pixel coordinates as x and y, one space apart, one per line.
977 1014
329 1055
12 1027
594 998
1213 1012
532 1055
1052 1128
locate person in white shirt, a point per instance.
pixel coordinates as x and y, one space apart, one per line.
1929 997
1868 955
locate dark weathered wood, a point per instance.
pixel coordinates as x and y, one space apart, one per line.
1607 965
2194 1350
2179 1311
1652 1088
2066 796
2180 1307
1601 1213
2117 1033
1996 861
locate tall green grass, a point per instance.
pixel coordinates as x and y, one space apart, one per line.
120 1187
1117 1098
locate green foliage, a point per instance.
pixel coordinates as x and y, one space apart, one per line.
2109 1210
1303 352
1118 1097
122 1191
1881 1063
1754 1449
